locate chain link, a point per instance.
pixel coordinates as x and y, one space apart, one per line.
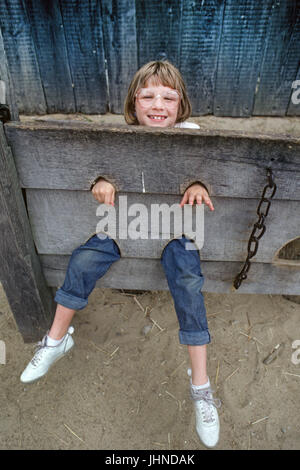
259 227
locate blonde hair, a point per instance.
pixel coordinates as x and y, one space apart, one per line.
161 72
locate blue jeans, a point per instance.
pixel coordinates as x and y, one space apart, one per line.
90 261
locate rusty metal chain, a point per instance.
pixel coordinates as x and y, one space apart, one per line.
259 228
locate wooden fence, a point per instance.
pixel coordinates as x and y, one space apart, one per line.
238 58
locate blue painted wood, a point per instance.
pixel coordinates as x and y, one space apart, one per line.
82 24
50 46
238 57
158 26
21 57
201 32
120 45
281 59
294 104
5 77
241 51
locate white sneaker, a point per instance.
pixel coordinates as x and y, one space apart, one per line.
46 356
207 419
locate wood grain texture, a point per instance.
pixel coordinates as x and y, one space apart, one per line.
148 274
231 164
240 54
237 57
82 25
62 220
158 33
21 57
294 104
5 77
120 45
281 60
200 40
48 35
20 271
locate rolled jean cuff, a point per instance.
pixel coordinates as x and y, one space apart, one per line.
194 338
70 301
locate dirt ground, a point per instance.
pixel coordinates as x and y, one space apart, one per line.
125 384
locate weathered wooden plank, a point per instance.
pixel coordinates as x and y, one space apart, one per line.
21 57
50 45
294 104
214 55
62 220
281 60
239 56
20 271
158 26
7 96
82 25
200 37
69 156
120 43
146 274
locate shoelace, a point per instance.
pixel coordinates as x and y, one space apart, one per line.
206 396
41 345
38 352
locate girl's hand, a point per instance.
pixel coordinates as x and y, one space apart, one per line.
104 192
197 193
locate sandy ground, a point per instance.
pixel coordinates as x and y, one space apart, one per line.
125 386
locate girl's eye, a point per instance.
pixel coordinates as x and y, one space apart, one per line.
171 97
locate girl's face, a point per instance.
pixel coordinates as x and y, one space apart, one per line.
156 105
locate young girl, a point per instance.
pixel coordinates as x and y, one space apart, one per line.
156 98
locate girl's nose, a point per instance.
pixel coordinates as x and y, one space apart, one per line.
158 102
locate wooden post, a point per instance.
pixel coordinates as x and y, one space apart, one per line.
30 299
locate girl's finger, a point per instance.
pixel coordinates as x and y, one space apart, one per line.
209 203
107 198
184 199
199 199
112 199
96 195
191 199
